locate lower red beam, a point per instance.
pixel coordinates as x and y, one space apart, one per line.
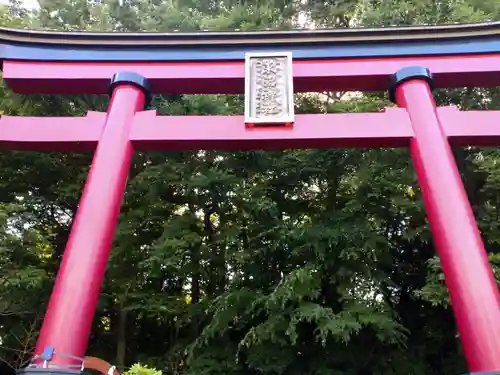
75 134
387 129
470 128
151 132
390 128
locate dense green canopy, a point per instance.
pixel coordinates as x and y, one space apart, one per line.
313 262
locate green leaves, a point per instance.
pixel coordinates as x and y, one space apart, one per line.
138 369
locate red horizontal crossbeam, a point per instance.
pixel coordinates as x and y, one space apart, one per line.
470 128
390 128
228 77
51 133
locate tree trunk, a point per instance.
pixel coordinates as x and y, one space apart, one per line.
121 337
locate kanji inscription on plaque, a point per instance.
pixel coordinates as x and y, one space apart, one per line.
269 89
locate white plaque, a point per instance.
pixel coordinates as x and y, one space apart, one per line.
269 89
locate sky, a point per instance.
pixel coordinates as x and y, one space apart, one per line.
30 4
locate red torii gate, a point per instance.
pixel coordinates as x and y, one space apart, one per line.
408 62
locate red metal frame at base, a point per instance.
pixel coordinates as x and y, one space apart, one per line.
473 289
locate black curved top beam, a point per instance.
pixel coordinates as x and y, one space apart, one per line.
230 46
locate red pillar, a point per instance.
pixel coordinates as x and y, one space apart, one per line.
473 290
68 320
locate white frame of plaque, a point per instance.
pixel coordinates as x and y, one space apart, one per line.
287 119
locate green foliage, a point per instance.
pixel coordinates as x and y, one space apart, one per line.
138 369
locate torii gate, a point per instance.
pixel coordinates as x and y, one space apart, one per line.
408 62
